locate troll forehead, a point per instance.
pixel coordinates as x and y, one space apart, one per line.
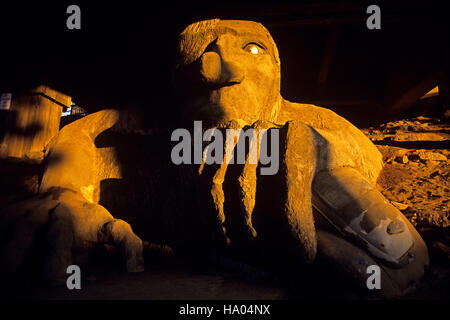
196 37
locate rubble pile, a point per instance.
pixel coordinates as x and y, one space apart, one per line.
415 177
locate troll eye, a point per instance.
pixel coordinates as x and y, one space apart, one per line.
254 48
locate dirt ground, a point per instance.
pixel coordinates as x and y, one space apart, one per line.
159 284
415 178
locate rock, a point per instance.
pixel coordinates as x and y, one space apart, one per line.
434 219
432 156
410 130
432 163
402 159
399 205
434 174
414 164
420 136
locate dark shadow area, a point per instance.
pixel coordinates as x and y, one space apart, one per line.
8 120
20 177
154 195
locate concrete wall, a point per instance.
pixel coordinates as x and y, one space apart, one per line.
32 121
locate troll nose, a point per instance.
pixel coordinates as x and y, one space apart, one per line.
216 70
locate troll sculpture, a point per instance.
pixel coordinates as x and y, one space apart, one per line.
322 202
